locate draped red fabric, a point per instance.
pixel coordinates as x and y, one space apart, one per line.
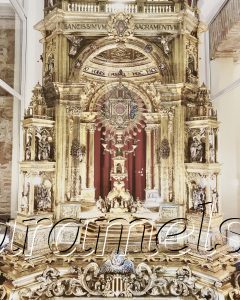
97 162
102 167
136 167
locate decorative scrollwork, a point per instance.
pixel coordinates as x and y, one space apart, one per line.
121 26
151 89
148 48
3 293
73 110
78 151
235 294
118 277
164 149
207 293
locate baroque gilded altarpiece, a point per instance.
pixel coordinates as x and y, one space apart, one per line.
119 133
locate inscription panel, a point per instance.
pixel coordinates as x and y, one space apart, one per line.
102 28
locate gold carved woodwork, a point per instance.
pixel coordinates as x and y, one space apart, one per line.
121 26
178 118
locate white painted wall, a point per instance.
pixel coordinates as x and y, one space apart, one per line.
225 87
223 77
209 8
34 11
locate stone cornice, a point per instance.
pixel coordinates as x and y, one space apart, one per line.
58 20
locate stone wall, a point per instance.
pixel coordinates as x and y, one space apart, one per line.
6 113
7 47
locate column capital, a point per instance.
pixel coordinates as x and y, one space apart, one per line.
151 127
167 112
74 110
91 127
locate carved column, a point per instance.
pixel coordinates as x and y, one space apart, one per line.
20 191
207 137
61 152
83 164
91 156
164 156
33 145
171 155
31 194
148 157
216 144
179 155
208 193
218 190
156 162
70 140
23 154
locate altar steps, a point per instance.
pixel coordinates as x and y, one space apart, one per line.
108 239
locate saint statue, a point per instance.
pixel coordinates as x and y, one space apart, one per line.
119 169
43 198
198 198
197 150
215 207
101 205
44 148
24 200
212 153
28 148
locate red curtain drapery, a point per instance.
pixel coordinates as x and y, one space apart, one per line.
135 164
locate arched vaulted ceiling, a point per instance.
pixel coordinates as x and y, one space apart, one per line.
137 58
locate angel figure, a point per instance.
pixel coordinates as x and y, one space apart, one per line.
75 44
164 41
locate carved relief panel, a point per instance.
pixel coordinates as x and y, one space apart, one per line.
202 188
201 145
44 148
39 143
25 193
196 146
196 190
36 191
50 61
192 61
43 193
213 145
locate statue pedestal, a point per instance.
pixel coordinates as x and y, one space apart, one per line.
168 211
88 201
31 235
206 234
70 210
118 210
153 199
88 195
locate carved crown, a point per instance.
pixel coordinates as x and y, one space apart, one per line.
38 106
